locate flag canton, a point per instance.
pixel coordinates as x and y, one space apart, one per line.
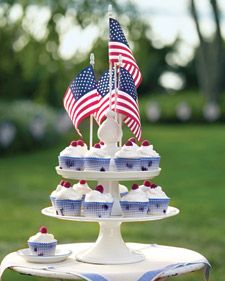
127 83
116 33
84 83
103 84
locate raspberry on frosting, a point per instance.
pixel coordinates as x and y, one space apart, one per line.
82 181
43 229
80 142
99 188
132 140
146 143
62 182
67 184
134 186
129 143
73 143
97 145
147 183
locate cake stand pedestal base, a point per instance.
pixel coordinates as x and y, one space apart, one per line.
110 247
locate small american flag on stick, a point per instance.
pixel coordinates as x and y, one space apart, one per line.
118 46
81 97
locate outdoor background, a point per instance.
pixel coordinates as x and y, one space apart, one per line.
180 49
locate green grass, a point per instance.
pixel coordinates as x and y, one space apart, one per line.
192 175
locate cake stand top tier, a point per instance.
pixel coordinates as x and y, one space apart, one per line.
108 175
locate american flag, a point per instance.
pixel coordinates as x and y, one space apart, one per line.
118 46
81 97
125 101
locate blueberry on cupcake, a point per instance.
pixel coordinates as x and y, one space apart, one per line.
135 203
97 203
42 243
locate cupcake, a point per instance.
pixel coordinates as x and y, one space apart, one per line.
149 157
97 204
135 203
127 159
158 200
54 192
123 190
96 159
72 157
68 201
42 243
82 187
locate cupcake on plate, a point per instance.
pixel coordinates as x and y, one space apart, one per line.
42 243
127 158
68 201
158 200
97 204
82 187
150 159
135 203
72 157
123 190
54 192
96 159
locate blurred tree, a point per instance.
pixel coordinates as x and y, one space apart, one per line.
31 64
210 57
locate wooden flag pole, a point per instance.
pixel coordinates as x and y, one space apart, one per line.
92 62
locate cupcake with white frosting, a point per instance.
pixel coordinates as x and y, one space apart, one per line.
135 203
97 203
42 243
82 187
72 157
150 159
127 158
68 201
96 159
54 192
158 200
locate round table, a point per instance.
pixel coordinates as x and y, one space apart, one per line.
160 263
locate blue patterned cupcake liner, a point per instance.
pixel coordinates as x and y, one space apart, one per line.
52 198
42 249
97 209
97 164
68 207
158 206
73 163
149 163
128 164
134 209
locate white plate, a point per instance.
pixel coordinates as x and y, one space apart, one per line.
60 255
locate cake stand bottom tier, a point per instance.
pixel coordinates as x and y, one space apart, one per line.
159 263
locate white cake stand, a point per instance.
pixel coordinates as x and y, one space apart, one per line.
110 247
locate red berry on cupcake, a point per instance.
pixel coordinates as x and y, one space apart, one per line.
153 185
82 181
43 229
80 143
101 143
62 182
99 188
132 140
67 184
147 183
146 143
97 145
73 143
134 186
129 143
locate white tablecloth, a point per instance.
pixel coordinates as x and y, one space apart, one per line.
160 262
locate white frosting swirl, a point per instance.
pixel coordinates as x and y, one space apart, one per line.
82 188
136 195
68 194
156 192
74 151
96 196
42 238
147 151
97 152
127 152
58 188
123 188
